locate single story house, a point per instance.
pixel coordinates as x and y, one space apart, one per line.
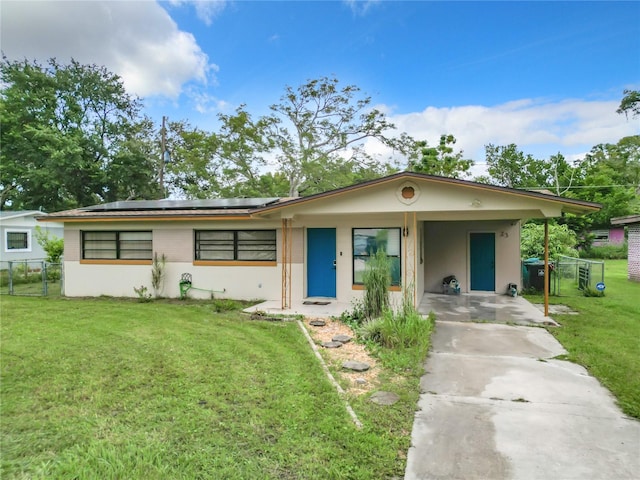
295 249
633 225
17 236
608 236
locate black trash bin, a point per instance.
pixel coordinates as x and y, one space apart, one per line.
536 276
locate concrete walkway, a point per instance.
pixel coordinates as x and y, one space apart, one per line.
495 405
483 307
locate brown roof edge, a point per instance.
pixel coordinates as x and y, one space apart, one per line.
627 219
421 176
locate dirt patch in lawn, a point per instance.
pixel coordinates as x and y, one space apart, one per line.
556 309
349 351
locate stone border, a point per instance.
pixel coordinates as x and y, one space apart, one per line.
333 381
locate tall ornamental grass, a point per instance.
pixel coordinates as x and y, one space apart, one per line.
377 280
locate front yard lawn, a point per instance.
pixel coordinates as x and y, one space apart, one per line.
605 336
108 388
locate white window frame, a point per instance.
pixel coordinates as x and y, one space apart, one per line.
17 250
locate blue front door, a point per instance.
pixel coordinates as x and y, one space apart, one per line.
482 252
321 262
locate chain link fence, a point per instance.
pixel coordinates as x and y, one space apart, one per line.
32 278
576 273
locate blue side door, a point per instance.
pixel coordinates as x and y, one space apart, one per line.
321 262
482 252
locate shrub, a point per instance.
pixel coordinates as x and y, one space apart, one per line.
355 316
606 252
562 241
143 295
23 273
52 245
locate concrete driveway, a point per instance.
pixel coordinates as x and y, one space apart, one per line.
496 405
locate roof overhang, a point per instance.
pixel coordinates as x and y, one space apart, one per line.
626 220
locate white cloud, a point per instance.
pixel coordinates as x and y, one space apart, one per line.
360 7
539 127
137 40
206 10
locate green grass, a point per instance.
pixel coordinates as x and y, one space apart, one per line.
111 388
605 336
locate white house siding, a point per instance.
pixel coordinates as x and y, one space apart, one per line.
634 252
24 222
446 252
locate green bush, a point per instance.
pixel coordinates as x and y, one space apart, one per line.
53 273
23 273
562 241
51 244
606 252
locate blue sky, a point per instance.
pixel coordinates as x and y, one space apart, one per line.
547 76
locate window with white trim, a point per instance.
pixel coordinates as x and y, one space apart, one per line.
17 241
367 242
110 245
235 245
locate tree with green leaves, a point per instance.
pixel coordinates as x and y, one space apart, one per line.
510 167
630 103
71 136
226 163
195 168
243 143
320 127
611 177
440 160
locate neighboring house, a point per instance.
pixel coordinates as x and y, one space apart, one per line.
633 225
291 250
608 236
17 236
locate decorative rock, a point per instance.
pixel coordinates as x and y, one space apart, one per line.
384 398
317 323
332 344
361 381
355 366
341 338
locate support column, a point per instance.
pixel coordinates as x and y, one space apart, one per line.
286 264
410 250
546 267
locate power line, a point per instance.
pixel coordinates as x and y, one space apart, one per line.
585 186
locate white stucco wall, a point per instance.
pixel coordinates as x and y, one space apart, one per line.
242 283
175 240
447 252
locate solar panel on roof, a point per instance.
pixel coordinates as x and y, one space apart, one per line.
206 204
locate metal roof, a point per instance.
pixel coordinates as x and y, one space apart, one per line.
207 204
